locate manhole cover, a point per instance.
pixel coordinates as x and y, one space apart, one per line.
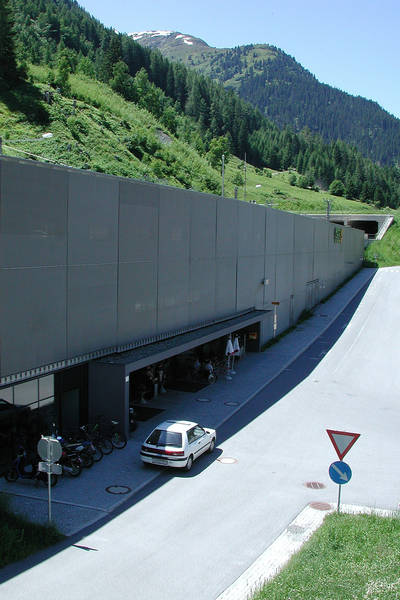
295 529
231 403
320 505
118 489
203 400
226 460
314 485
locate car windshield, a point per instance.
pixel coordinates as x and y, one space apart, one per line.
163 437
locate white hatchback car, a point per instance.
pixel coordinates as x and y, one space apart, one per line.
177 444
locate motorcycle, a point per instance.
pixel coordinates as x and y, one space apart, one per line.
71 462
25 467
80 449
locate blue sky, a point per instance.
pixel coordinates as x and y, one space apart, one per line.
349 44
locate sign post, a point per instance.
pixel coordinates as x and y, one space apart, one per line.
50 450
275 304
340 471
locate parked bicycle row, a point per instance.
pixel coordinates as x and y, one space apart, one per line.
80 449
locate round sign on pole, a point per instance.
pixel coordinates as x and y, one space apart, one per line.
340 472
49 449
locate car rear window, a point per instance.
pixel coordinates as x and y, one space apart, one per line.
162 437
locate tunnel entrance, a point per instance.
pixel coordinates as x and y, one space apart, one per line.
370 227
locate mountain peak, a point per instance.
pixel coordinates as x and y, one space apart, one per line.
157 38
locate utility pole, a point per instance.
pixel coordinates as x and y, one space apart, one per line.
245 177
223 174
328 209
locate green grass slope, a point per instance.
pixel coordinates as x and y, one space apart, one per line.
385 252
95 128
351 557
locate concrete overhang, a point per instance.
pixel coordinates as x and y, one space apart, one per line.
155 352
374 226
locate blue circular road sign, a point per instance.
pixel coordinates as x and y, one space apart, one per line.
340 472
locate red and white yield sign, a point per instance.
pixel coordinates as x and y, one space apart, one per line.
342 441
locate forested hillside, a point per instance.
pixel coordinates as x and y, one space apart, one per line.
288 94
64 39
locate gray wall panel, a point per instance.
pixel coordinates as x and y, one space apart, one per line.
271 233
251 229
284 276
203 226
33 317
174 226
33 215
227 227
173 294
137 300
322 235
269 278
92 308
138 221
303 234
284 226
92 219
249 282
202 290
302 269
225 299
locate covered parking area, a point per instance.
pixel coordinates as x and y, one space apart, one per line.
116 381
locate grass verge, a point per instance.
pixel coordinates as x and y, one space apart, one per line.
351 557
20 538
385 252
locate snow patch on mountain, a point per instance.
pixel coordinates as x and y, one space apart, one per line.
185 38
152 38
140 34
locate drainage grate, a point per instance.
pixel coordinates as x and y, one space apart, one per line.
203 400
118 489
314 485
320 505
296 529
231 403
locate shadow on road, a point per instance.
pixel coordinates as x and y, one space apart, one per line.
287 380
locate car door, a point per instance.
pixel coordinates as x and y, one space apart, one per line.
201 440
192 443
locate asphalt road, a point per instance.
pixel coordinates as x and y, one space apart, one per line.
193 534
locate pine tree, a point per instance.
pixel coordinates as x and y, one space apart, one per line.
9 72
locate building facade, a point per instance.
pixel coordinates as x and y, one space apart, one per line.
102 276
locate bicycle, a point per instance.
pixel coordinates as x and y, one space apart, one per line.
118 439
108 431
99 439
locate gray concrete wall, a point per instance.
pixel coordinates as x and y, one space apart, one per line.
90 261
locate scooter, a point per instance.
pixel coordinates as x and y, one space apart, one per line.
27 468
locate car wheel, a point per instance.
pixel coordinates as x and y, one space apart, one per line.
212 446
189 463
